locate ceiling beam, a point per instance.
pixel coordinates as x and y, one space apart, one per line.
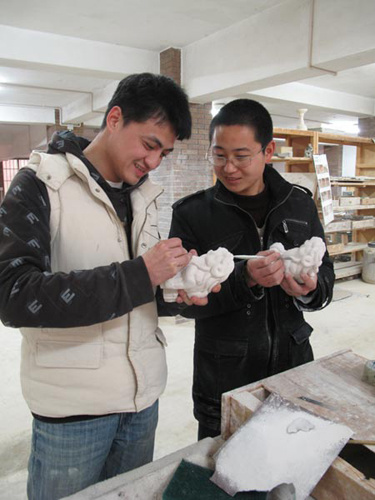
28 115
316 97
33 49
289 42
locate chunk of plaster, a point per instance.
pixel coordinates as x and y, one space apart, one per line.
200 276
300 424
305 259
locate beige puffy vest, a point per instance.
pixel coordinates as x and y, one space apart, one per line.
115 366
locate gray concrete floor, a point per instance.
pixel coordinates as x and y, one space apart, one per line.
348 323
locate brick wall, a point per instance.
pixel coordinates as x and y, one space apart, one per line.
185 170
170 64
366 127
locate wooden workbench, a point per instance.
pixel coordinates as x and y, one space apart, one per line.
331 387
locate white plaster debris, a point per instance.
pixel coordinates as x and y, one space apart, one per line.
262 454
305 259
200 276
300 424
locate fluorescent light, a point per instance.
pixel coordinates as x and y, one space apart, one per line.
216 107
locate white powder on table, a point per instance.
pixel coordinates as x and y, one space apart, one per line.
263 454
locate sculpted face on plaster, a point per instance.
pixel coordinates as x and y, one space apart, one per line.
201 275
305 259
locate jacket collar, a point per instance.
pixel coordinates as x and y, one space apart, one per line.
278 186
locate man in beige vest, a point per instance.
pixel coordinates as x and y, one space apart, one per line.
80 260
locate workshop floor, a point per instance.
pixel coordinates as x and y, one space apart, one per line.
348 323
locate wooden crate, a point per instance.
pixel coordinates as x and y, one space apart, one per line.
335 248
346 201
341 225
362 224
335 385
367 201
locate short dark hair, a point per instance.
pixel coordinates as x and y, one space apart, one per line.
246 112
144 95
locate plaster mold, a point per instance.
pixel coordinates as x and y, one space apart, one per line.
200 276
305 259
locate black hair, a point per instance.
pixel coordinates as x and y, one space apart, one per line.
246 112
145 95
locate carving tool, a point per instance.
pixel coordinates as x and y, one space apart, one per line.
254 257
315 402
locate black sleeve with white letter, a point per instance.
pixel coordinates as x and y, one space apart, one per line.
31 295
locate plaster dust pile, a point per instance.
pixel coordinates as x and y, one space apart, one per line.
201 275
280 443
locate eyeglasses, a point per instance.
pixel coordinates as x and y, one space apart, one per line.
239 161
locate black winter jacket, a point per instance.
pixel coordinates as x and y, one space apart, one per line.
246 334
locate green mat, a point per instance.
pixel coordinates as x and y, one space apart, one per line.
192 482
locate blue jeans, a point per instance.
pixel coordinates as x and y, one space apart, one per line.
68 457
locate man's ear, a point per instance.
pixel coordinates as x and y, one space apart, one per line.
269 151
114 118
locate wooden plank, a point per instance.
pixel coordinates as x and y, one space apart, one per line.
352 269
344 139
344 482
334 381
350 248
293 159
285 132
356 207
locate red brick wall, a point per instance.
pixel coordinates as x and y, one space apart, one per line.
186 170
170 64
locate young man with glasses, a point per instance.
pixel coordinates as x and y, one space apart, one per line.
254 327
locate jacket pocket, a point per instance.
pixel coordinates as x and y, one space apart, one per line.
300 350
80 347
294 232
219 366
302 333
68 354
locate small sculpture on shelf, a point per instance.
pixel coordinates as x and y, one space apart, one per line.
305 259
301 124
200 276
309 151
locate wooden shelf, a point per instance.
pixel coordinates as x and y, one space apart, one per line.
294 159
350 248
362 185
367 166
353 183
347 269
343 208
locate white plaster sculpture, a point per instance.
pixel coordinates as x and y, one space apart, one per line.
200 276
305 259
301 125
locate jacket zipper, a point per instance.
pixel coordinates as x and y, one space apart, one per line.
145 218
261 241
271 358
273 355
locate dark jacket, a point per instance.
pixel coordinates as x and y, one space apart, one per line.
246 334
